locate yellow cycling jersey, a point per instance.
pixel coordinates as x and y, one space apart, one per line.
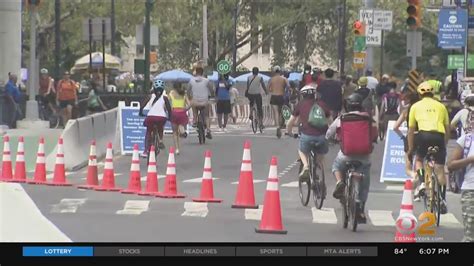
428 115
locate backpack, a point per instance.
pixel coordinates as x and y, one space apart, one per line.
356 134
469 126
307 79
392 102
317 117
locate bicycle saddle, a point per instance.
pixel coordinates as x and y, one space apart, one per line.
433 149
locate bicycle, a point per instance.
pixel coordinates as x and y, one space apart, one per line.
201 125
46 114
255 121
316 181
350 200
432 199
155 140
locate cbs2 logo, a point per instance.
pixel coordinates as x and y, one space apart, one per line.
407 224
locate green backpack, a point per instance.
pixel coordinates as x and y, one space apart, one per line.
317 117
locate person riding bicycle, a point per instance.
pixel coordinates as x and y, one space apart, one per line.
310 134
255 85
390 104
431 119
465 116
277 87
200 90
47 92
159 111
353 105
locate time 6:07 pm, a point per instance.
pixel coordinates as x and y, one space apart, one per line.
433 251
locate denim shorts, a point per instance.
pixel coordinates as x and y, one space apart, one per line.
306 140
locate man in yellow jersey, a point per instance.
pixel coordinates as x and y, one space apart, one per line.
436 85
430 118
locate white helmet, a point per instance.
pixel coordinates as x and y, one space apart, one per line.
309 89
44 71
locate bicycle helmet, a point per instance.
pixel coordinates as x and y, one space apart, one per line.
308 90
363 81
354 102
158 85
44 71
276 69
424 88
469 100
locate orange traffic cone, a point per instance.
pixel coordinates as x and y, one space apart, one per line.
20 167
171 188
271 216
108 178
151 188
59 178
245 194
40 169
92 171
7 170
207 186
406 221
135 183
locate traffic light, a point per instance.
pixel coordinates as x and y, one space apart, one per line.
414 13
359 28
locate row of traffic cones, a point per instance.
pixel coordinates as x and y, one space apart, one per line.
59 176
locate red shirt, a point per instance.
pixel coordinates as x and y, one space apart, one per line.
302 110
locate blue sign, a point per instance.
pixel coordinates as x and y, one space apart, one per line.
131 127
452 28
58 251
393 166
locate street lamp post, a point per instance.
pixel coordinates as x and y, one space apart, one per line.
148 8
234 50
32 105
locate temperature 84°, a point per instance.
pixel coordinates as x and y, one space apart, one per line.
400 251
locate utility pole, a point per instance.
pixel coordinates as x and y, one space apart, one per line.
369 4
205 45
112 28
339 37
57 39
344 31
148 8
32 105
234 51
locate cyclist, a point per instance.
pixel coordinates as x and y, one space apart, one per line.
159 110
331 92
47 91
431 119
390 104
353 105
464 116
277 86
307 77
309 133
200 89
179 104
253 92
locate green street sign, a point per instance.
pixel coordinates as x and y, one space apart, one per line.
286 112
223 67
359 44
457 61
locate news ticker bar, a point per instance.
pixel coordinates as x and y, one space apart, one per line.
190 251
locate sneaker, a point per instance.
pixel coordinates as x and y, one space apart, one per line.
177 151
225 130
144 155
416 198
161 145
420 190
444 207
339 190
194 125
304 175
279 132
208 135
183 135
234 119
361 218
221 129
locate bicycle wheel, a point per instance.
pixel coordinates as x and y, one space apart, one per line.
317 183
345 206
254 121
382 132
201 136
354 188
304 188
438 205
156 141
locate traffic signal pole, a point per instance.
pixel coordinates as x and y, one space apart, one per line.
413 50
369 58
32 105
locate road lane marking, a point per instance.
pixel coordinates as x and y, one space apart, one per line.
28 224
254 214
68 205
100 176
134 207
291 184
381 218
395 188
197 180
255 181
449 220
195 209
324 216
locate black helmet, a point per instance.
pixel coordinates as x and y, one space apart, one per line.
354 102
255 70
307 68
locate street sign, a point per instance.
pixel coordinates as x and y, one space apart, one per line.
393 163
359 60
383 20
96 29
223 67
457 61
452 28
373 36
414 38
154 35
359 44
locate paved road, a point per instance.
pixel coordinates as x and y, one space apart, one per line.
107 217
